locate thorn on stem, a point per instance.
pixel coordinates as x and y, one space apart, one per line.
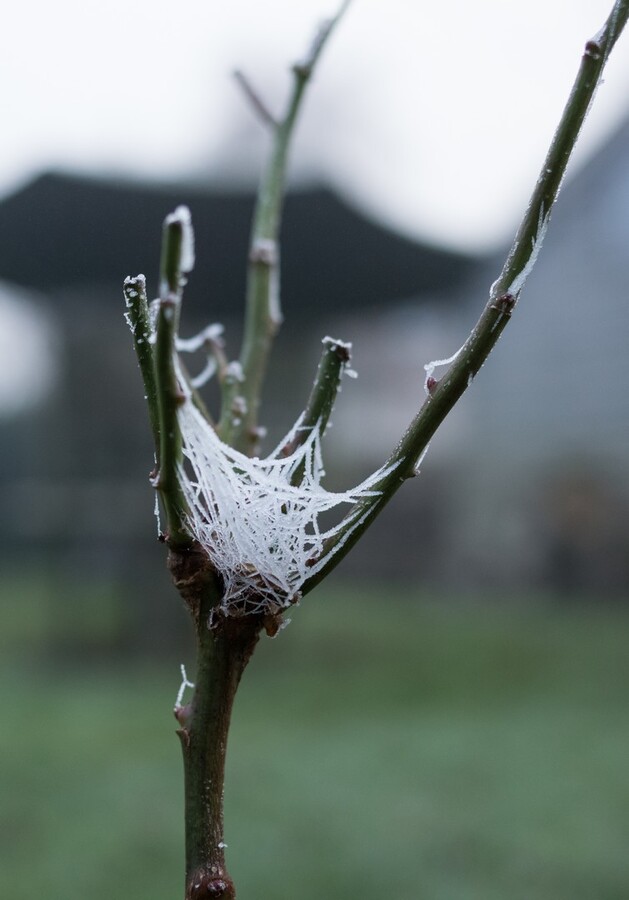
184 736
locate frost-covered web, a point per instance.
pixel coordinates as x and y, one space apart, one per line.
261 532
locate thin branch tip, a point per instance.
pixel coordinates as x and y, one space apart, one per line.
258 105
303 70
343 349
263 310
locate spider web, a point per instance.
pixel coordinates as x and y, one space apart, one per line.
261 532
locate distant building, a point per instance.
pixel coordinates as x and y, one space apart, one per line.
91 233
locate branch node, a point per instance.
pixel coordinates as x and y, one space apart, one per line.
303 71
504 304
593 49
210 885
182 714
263 252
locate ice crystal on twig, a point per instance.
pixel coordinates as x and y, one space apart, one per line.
536 245
182 217
430 367
185 683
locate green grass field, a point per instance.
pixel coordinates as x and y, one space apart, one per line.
380 749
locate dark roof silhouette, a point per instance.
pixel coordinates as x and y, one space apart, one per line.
64 231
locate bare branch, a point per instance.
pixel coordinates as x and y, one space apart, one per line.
334 360
256 101
263 313
504 293
176 260
139 321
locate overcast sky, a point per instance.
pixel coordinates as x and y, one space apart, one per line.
435 116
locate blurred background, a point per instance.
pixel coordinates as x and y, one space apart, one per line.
445 718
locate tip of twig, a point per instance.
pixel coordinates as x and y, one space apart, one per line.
257 103
343 349
304 68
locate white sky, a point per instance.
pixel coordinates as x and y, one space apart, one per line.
435 116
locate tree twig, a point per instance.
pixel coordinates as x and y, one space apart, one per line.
223 651
256 101
334 360
138 318
176 260
504 293
263 312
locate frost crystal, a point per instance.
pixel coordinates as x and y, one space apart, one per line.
536 245
182 688
182 217
210 339
261 531
430 367
210 334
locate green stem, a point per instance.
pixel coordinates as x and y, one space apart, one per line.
170 447
263 313
504 293
224 647
334 360
595 56
169 395
139 321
